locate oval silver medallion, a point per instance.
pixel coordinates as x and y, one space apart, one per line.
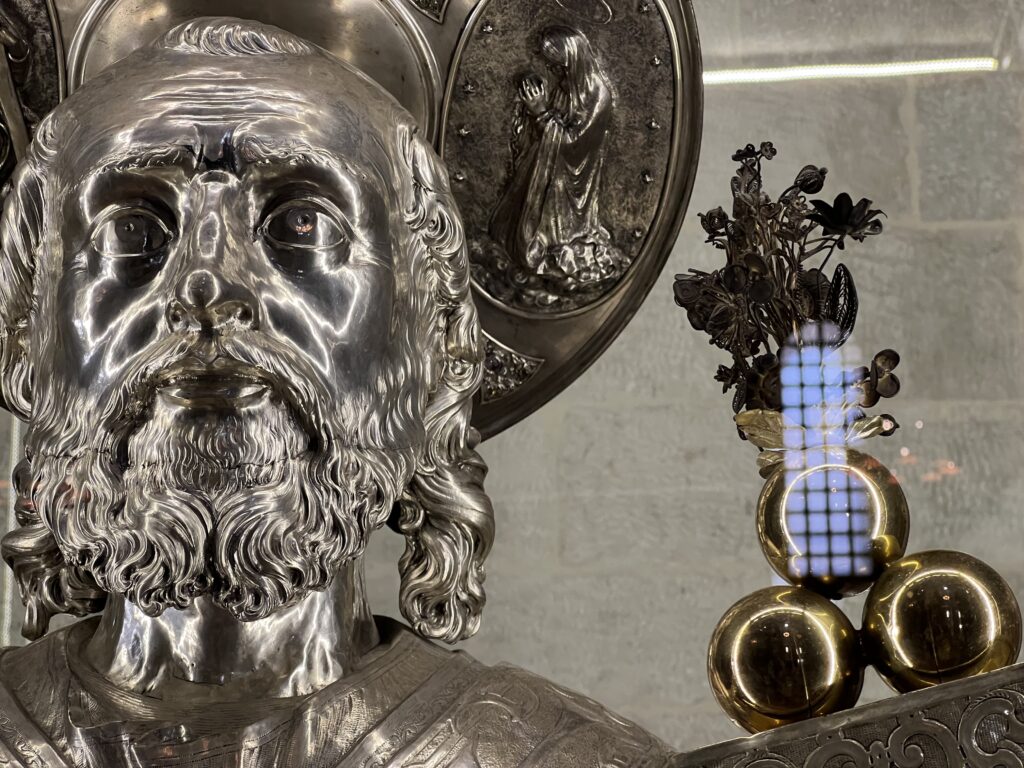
571 131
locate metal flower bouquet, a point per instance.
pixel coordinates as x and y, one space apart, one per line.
832 520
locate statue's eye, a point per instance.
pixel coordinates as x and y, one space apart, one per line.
304 224
126 232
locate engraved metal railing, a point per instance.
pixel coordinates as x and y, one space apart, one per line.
978 722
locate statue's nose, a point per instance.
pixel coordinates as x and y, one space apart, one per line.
202 300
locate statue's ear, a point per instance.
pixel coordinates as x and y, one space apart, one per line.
20 235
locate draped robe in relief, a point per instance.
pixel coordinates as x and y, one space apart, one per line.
410 703
551 207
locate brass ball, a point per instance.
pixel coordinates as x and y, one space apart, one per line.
831 519
782 655
939 616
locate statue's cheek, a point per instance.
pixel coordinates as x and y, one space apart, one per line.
100 323
340 321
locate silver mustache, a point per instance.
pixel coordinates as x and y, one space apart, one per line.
216 370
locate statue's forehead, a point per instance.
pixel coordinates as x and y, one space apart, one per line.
264 139
204 101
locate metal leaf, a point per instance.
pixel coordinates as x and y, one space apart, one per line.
865 428
763 428
841 305
739 398
768 462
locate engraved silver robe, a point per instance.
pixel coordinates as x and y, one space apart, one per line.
410 703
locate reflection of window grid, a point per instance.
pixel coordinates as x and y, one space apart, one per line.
827 509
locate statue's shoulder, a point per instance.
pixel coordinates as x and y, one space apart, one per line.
33 693
37 674
510 718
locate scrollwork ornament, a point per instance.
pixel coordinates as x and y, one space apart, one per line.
765 760
999 716
10 735
839 752
906 751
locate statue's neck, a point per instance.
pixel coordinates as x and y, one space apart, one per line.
204 654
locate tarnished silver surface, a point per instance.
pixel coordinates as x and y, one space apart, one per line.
548 247
235 312
13 130
506 370
978 723
433 9
570 212
31 74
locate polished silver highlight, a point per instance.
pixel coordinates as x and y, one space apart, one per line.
235 312
598 11
377 37
549 247
182 320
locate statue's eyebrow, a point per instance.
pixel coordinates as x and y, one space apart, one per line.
254 150
233 157
171 154
259 150
250 151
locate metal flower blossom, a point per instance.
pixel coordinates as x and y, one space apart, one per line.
843 218
775 285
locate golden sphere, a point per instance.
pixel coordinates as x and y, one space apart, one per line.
831 519
782 655
939 616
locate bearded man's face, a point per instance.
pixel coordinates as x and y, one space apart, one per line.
223 315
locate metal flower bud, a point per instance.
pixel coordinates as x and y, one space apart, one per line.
811 179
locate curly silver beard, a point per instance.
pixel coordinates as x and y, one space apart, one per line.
232 504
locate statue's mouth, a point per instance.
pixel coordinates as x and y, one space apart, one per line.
221 383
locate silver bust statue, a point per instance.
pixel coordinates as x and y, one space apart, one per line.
236 315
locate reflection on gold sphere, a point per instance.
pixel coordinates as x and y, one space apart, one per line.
832 520
939 616
781 655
